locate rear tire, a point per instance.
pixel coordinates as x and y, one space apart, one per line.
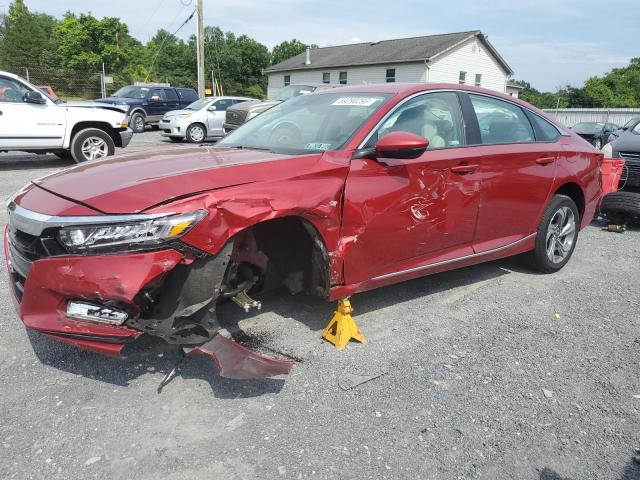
556 236
620 207
91 144
137 123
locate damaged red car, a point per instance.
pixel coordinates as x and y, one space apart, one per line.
330 194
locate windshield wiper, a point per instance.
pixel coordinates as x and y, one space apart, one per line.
242 147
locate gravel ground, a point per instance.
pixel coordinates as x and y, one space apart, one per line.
489 372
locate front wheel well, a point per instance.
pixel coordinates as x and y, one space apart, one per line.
104 126
575 193
287 251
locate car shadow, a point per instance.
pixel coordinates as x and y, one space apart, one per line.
37 163
150 354
631 471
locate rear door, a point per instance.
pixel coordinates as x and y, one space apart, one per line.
517 170
28 125
215 117
172 102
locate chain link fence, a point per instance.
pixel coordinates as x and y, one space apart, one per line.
75 84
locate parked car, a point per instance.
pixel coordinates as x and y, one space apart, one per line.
147 104
241 113
630 125
627 147
202 119
596 133
393 182
47 89
31 121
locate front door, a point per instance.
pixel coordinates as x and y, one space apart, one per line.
215 116
518 165
28 125
424 208
157 105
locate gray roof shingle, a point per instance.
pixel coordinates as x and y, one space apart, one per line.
401 50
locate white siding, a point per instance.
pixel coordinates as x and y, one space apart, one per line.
514 92
471 57
407 72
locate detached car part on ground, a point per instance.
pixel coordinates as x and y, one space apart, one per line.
380 184
32 121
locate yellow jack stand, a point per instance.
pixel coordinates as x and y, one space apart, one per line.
342 327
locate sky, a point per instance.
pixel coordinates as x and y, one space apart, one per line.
549 43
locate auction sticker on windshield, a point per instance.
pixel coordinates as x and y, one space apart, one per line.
356 101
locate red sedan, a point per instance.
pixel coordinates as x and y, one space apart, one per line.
331 194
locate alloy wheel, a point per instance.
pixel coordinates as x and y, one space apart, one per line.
561 234
94 148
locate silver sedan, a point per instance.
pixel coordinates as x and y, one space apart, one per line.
200 120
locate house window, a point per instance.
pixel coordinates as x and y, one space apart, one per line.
287 80
391 75
462 78
478 79
326 77
343 78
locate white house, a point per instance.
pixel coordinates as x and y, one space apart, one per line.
465 57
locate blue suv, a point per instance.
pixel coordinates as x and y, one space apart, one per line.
146 105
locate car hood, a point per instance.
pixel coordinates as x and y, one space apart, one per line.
120 101
136 182
175 113
89 104
256 105
627 142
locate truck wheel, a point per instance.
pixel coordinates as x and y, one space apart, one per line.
621 206
137 123
556 236
196 133
91 144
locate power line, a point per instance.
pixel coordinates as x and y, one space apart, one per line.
164 41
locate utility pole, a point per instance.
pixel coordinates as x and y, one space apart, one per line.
200 46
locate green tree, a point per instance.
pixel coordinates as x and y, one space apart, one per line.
286 50
25 39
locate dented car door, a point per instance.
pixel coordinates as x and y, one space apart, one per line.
400 209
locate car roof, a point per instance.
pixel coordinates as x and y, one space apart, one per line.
406 89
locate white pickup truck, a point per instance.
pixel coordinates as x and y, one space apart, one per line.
31 121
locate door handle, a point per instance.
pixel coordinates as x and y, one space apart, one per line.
464 169
545 160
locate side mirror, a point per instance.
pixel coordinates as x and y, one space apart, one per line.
404 145
212 108
34 97
154 98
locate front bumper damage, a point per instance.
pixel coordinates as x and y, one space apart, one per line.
170 293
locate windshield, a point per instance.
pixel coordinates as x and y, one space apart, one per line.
199 104
587 127
307 124
132 92
292 91
631 123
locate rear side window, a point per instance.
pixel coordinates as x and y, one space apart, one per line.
545 131
170 94
501 122
187 94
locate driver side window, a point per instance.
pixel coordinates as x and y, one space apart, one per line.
11 90
435 116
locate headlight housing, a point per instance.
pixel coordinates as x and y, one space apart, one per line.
125 107
607 150
252 114
124 235
184 115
